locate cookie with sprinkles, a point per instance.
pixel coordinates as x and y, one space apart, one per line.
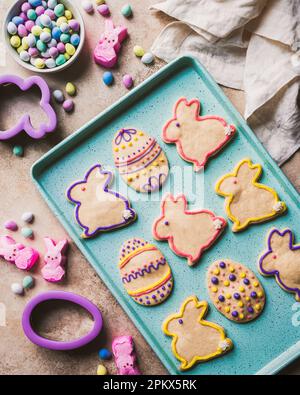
145 272
140 160
235 291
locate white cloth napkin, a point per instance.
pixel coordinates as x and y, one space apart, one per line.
249 45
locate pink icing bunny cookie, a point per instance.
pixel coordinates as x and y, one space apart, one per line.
106 51
23 257
189 233
125 357
197 138
55 260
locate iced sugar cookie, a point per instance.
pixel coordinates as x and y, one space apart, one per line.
282 260
247 201
194 339
145 273
189 233
197 138
99 209
235 291
140 160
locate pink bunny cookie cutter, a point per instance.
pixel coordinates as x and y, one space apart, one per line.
125 357
109 45
23 257
55 260
24 123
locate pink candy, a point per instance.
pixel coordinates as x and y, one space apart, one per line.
22 31
40 10
61 47
103 9
127 81
23 257
55 260
25 7
11 225
109 45
125 357
29 25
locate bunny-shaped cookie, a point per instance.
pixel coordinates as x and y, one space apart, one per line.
282 260
196 137
23 257
125 357
55 260
189 233
106 51
194 339
247 201
98 209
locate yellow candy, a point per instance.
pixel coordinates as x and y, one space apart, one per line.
242 275
241 316
227 309
20 49
47 30
138 51
216 272
25 43
68 14
15 41
257 307
260 294
123 146
116 149
135 139
101 370
70 49
255 284
39 63
226 283
71 89
36 30
130 144
129 179
240 304
231 269
242 289
247 298
141 134
67 56
99 2
228 296
61 20
214 289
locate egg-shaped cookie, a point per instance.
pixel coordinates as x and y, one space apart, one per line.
145 273
140 160
235 291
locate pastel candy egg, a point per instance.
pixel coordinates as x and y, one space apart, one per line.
39 63
101 370
38 22
52 43
35 3
24 55
148 58
74 25
45 20
27 233
23 16
67 56
58 96
59 10
50 63
61 20
40 10
15 41
53 52
127 81
61 47
12 28
17 20
11 225
126 10
68 105
108 78
75 39
29 25
17 288
45 37
27 217
71 89
51 15
32 15
138 51
33 52
140 160
65 38
70 49
103 9
36 30
145 273
20 49
52 4
31 40
233 293
28 282
68 14
60 60
64 27
87 6
25 44
25 7
41 46
22 31
56 33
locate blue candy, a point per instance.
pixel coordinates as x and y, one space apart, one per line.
75 39
56 33
17 20
35 3
104 353
108 78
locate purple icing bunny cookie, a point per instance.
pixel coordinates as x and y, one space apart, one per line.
282 260
106 51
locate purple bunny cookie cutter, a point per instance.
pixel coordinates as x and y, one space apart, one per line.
24 124
61 345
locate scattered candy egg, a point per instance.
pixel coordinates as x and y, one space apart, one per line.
108 78
103 9
231 287
71 89
27 233
17 288
27 217
58 96
126 10
18 150
138 51
101 370
145 273
148 58
28 282
68 105
87 6
127 81
11 225
99 2
104 354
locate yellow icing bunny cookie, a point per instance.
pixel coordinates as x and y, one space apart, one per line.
194 339
246 200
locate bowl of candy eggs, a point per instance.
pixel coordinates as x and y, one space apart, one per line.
44 36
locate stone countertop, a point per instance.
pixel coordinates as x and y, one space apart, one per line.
18 355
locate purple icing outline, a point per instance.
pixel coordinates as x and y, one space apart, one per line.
152 188
148 270
120 136
24 124
147 152
59 345
105 188
276 273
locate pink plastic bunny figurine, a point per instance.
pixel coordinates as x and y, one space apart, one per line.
23 257
55 260
125 358
106 51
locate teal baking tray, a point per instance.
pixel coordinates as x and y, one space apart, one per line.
263 346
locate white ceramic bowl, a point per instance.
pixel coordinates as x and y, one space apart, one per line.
15 10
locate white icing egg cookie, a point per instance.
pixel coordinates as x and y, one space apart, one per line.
235 291
140 160
145 273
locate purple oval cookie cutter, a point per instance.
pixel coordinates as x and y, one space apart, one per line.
54 344
24 122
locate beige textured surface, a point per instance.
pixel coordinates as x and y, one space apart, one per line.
18 356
